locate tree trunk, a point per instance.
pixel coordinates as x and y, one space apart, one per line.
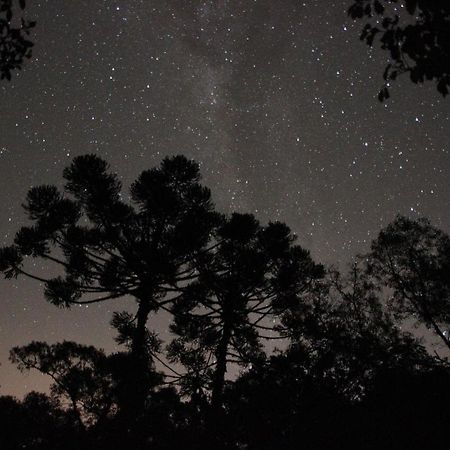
138 344
77 413
136 381
215 431
221 368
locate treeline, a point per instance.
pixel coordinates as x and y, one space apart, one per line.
346 374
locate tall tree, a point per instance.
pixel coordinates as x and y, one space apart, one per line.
109 248
418 45
251 274
412 257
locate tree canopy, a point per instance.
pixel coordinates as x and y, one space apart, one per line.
108 248
413 258
266 344
251 275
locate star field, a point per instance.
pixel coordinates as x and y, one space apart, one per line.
275 99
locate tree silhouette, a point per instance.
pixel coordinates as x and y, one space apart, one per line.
229 285
319 392
15 45
343 336
412 257
418 45
250 275
109 248
79 373
37 423
407 410
279 406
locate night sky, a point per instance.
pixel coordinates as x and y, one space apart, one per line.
275 99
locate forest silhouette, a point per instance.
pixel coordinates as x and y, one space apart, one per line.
347 375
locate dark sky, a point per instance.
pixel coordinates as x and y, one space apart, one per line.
276 99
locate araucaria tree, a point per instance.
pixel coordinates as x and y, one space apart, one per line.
108 248
246 280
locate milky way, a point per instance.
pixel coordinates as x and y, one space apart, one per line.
275 99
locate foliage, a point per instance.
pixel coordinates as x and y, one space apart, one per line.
232 286
342 337
108 248
15 45
79 375
418 45
250 276
413 259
